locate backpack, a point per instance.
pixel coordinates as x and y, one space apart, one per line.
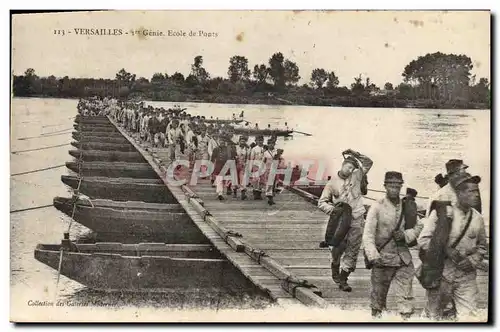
364 185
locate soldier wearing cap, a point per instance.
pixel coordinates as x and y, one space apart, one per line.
454 168
256 156
221 154
385 241
269 157
173 135
458 279
242 155
345 186
202 152
212 144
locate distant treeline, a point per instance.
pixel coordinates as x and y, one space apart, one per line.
432 81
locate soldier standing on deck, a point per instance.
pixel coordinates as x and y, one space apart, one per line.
256 156
221 154
385 240
464 250
242 154
454 168
345 186
269 157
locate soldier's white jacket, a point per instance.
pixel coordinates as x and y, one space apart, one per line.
473 245
381 221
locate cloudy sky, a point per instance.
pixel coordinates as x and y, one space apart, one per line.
374 44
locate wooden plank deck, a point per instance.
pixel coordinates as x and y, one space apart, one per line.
250 268
288 234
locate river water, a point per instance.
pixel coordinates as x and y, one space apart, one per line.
413 141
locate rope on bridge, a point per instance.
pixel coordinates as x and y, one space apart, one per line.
42 148
38 170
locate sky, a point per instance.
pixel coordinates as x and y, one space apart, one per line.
377 44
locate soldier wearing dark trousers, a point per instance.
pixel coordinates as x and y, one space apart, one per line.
385 241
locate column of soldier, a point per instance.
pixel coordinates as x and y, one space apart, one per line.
451 237
193 138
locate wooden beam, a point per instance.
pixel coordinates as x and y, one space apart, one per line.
300 289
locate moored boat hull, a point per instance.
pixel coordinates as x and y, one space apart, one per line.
89 128
263 132
223 121
105 134
173 226
133 270
104 146
113 169
122 189
99 139
112 156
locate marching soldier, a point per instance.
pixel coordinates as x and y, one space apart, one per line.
242 155
221 154
256 156
386 239
345 186
269 157
454 168
462 231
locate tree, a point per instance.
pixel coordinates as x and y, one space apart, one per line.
333 80
125 77
405 91
177 77
191 81
480 92
318 78
388 86
291 72
357 87
31 82
29 73
158 78
260 73
282 71
439 76
277 69
238 68
197 70
369 86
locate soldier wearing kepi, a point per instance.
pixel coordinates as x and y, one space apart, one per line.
385 241
221 154
269 157
345 186
256 156
460 236
242 155
454 168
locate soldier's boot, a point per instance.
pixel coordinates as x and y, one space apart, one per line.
228 190
376 313
343 286
235 193
270 200
243 195
257 195
335 273
406 315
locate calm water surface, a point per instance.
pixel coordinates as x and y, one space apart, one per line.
415 142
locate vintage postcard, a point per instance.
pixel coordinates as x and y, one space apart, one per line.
250 166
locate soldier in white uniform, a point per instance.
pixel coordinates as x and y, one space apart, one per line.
385 241
256 156
458 279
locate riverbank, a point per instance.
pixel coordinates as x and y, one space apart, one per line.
261 98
